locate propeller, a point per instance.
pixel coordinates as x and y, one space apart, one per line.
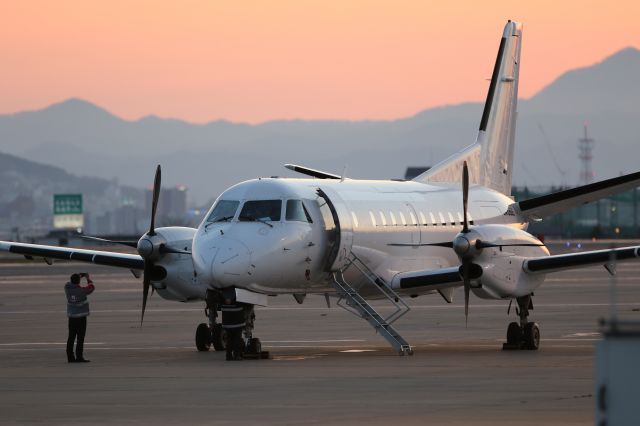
153 245
148 263
104 240
467 245
459 244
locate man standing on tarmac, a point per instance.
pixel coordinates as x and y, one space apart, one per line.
77 311
233 322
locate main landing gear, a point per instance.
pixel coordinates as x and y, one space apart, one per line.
523 335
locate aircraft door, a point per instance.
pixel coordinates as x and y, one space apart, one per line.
338 227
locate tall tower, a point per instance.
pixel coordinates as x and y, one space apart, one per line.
585 148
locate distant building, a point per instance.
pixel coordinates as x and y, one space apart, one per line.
172 205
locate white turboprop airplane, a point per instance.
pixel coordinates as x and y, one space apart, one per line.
453 226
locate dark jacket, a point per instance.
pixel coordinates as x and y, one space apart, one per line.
77 303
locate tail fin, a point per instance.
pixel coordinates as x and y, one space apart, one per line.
490 158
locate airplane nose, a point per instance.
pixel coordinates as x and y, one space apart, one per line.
232 262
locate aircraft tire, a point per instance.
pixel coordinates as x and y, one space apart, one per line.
514 334
203 337
531 336
254 346
218 337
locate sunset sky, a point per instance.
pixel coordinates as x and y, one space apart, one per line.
253 61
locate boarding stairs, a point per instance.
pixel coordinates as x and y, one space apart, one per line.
351 300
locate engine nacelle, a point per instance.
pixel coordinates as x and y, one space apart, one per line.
173 276
502 273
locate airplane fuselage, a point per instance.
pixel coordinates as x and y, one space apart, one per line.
386 223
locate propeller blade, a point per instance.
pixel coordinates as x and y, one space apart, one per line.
103 240
465 195
448 244
146 282
154 202
481 244
467 286
166 249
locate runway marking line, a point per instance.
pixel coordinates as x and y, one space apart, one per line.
46 344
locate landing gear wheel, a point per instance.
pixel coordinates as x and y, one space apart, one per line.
218 337
203 337
514 334
531 336
254 346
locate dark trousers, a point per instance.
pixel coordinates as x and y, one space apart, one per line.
234 343
77 329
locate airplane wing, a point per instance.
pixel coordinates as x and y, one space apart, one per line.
539 207
121 260
438 279
562 262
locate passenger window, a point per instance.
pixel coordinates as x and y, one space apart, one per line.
442 221
433 219
297 212
383 219
414 222
355 219
453 221
224 211
423 219
404 221
373 218
269 210
393 219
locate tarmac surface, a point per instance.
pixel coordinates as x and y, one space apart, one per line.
327 366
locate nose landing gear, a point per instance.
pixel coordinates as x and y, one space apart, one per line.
213 334
524 335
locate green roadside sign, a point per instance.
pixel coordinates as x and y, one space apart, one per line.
67 204
67 211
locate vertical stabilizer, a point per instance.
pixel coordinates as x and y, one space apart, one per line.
490 158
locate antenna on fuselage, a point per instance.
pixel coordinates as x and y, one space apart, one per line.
344 173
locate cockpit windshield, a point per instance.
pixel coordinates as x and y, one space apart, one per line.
260 211
297 212
224 211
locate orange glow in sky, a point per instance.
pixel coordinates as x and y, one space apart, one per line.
259 60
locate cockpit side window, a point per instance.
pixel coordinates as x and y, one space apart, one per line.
297 212
224 211
262 210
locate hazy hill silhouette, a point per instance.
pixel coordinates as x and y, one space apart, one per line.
88 140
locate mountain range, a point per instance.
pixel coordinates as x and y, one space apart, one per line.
87 140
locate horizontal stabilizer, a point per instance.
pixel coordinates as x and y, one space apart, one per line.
312 172
539 207
575 260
